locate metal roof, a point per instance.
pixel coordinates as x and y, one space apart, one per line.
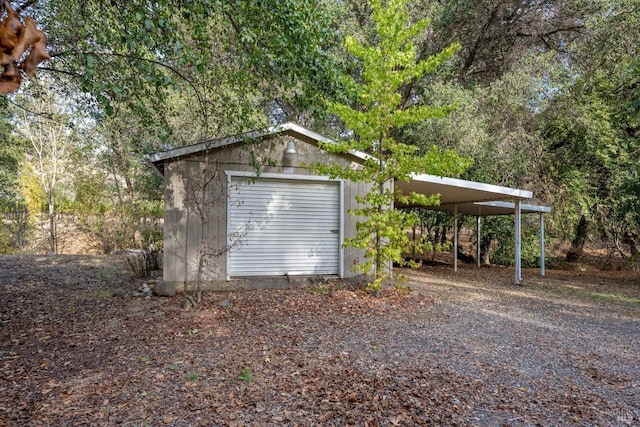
491 208
458 191
470 197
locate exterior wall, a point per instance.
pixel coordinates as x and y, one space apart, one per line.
186 232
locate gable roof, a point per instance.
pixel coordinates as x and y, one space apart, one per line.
285 129
471 197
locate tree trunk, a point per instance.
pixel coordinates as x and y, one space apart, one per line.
121 166
485 246
577 244
52 225
486 260
135 218
630 239
634 248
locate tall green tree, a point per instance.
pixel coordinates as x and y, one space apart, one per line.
12 208
376 111
10 158
119 197
592 131
226 59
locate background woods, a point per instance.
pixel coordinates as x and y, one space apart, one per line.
545 97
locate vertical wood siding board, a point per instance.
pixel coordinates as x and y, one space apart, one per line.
178 223
179 242
182 223
220 222
168 254
193 227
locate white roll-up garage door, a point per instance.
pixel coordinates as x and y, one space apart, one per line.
283 226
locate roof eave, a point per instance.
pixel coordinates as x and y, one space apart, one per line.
502 193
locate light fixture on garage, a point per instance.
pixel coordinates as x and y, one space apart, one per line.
290 157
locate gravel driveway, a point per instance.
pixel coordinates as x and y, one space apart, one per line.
554 338
462 349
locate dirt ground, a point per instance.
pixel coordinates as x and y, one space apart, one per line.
468 348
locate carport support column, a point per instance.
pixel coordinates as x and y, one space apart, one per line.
455 238
478 240
542 244
518 260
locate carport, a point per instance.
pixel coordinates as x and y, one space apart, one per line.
459 196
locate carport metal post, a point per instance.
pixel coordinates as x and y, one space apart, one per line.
518 260
542 272
455 238
478 240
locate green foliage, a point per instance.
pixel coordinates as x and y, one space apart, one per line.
561 122
10 158
288 43
318 290
402 286
378 110
627 205
14 227
504 252
32 190
166 59
246 376
8 242
432 230
151 76
590 158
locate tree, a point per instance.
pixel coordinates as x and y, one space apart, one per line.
592 131
533 83
47 126
495 34
548 90
13 222
385 67
118 195
10 158
218 56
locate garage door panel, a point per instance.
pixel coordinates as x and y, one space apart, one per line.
286 227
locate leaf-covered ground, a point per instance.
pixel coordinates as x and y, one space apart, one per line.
461 349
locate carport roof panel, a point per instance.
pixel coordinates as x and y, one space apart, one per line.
459 191
491 208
